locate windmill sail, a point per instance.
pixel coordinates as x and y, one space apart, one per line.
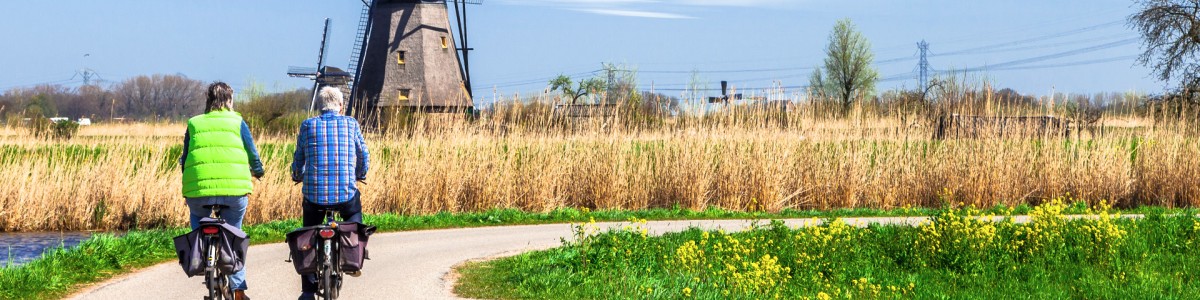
359 38
322 75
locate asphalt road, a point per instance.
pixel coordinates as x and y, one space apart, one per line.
403 265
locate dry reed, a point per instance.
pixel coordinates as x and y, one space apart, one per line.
119 177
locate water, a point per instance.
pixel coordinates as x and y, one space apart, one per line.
20 247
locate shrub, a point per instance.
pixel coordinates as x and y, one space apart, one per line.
65 129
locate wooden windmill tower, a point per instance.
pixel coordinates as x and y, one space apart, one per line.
406 56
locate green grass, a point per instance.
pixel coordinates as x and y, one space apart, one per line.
953 257
106 255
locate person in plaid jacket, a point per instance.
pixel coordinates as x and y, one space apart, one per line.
330 156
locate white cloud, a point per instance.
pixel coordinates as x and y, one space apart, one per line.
744 3
635 13
658 9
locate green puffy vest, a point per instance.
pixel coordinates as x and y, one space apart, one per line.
217 163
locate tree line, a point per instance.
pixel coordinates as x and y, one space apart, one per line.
142 98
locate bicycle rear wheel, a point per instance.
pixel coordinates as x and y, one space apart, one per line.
211 276
218 283
328 285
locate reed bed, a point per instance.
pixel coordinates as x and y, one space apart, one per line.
117 177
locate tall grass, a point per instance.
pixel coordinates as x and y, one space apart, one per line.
538 156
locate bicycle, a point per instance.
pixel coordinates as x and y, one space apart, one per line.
329 267
217 282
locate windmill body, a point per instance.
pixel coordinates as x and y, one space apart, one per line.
410 59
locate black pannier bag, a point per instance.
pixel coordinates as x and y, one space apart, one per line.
352 240
232 243
190 252
302 246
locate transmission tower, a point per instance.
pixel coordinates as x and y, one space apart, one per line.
924 64
86 74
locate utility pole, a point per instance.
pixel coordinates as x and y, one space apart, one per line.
608 87
924 64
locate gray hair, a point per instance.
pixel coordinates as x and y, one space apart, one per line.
331 99
220 97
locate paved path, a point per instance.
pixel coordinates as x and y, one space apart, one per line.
403 265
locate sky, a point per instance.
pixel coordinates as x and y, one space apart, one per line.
1034 47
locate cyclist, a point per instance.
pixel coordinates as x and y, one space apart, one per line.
218 160
330 156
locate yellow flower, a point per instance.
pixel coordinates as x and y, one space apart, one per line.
823 296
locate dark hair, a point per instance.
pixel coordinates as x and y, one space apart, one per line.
220 97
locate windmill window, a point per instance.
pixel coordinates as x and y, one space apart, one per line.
402 94
400 57
445 43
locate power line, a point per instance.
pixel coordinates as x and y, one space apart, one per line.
40 83
1020 48
533 81
728 71
1050 56
924 67
1070 64
1034 39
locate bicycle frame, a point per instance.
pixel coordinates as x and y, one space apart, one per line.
329 274
216 281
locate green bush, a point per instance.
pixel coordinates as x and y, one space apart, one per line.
278 113
65 129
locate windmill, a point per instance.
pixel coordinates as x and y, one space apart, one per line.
406 57
322 75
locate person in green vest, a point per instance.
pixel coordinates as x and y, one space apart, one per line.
218 161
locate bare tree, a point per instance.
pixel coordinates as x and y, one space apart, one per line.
167 96
87 101
1170 31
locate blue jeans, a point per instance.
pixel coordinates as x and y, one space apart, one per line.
232 215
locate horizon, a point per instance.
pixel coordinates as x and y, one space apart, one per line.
770 42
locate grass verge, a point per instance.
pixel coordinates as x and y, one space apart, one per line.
953 256
61 271
107 255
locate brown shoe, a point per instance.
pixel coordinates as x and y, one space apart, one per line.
240 295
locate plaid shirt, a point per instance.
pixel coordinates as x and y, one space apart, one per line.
330 155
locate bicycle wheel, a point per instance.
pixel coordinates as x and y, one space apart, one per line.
327 284
335 271
211 276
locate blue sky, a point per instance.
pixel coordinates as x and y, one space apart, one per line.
1034 47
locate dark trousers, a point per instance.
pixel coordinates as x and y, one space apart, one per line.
351 211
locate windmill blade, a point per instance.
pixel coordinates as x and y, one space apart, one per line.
312 105
324 44
303 72
359 49
460 18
